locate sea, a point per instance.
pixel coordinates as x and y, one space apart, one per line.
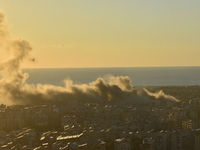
140 76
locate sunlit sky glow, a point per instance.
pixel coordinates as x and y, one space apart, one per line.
102 33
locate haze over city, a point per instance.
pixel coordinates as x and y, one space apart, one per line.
106 75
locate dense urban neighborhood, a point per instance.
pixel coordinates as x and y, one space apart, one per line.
75 125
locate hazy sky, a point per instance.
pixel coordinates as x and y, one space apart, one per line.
102 33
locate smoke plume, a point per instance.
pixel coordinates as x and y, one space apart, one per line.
15 90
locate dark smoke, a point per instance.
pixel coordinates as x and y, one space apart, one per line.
15 90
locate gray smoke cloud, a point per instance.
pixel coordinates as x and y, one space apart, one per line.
15 90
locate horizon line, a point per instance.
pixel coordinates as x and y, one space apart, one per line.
108 67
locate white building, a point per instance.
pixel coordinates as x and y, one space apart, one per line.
122 144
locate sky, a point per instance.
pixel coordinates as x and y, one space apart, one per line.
102 33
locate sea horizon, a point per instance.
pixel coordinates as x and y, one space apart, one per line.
140 76
104 67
